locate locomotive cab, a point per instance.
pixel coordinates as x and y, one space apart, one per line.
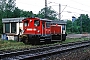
36 30
31 27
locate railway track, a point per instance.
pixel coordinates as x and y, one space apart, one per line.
41 51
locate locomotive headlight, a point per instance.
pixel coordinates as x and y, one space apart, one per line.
38 31
30 20
34 29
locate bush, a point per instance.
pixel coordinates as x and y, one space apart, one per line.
0 35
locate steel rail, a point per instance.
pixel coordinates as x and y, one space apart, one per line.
41 51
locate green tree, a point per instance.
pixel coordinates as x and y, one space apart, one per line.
75 27
6 9
69 26
83 22
9 8
16 12
1 27
26 13
51 13
2 8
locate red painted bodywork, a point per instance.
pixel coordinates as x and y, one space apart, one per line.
31 29
56 29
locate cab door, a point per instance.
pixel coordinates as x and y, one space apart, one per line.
25 26
43 28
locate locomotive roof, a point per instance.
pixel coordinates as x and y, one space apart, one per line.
6 20
38 19
59 21
45 20
55 21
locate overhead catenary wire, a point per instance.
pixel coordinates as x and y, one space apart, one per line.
57 5
73 1
73 7
80 3
78 9
64 9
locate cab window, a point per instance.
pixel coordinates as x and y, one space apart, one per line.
43 24
36 23
26 23
47 24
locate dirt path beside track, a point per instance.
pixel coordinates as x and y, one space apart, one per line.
78 35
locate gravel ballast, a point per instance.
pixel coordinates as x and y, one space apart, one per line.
77 54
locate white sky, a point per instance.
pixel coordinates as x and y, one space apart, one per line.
75 6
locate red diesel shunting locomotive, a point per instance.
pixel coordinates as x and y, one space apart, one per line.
36 30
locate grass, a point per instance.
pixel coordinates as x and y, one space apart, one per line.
75 40
68 40
14 45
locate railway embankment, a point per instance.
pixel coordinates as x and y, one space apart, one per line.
44 51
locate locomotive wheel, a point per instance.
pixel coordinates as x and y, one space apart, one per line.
25 40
